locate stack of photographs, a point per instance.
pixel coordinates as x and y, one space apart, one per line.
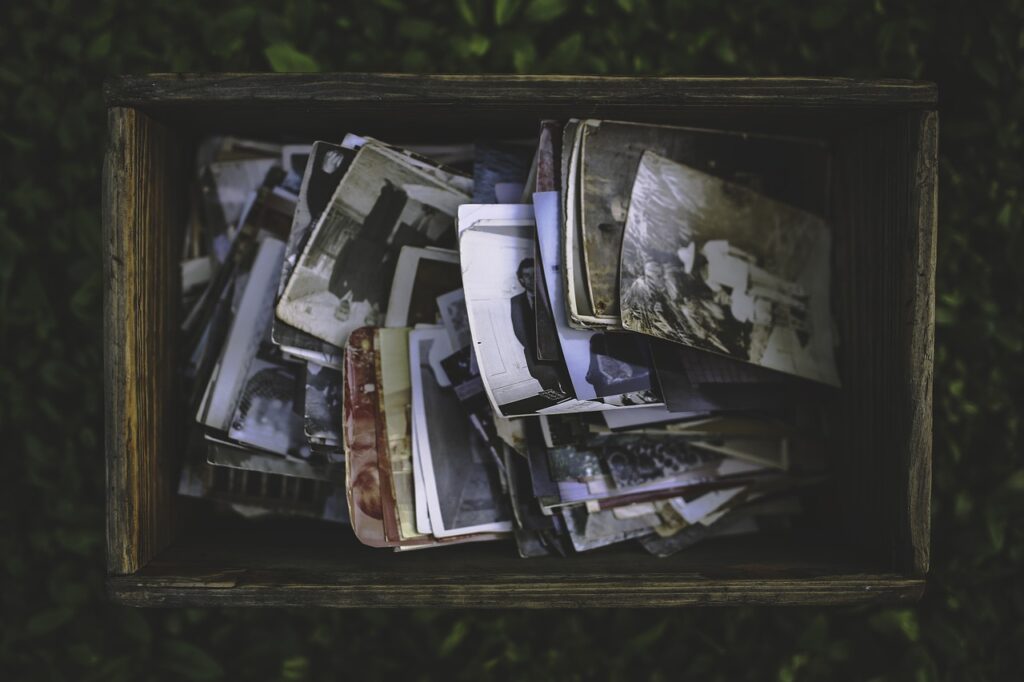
616 332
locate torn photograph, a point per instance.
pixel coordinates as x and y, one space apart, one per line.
718 267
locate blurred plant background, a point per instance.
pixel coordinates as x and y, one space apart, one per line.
54 56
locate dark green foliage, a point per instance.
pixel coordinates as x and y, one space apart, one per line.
57 624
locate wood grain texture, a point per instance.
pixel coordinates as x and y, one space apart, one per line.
141 223
919 309
277 566
399 107
154 90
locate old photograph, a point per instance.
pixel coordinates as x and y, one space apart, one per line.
342 279
270 407
496 247
421 275
460 472
788 169
599 364
395 397
454 318
362 426
326 165
323 404
681 394
713 265
244 337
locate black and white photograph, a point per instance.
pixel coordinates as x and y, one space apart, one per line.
234 184
599 364
270 413
461 475
635 460
226 454
718 267
253 312
496 247
421 275
787 169
326 165
323 404
342 280
454 318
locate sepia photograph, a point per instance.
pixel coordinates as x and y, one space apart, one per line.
718 267
788 169
460 472
421 275
362 425
342 280
395 403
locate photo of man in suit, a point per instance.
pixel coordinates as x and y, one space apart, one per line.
524 324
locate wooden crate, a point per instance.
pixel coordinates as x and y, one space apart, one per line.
869 542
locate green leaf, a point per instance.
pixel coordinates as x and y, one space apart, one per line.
284 58
467 12
543 11
505 10
189 661
454 638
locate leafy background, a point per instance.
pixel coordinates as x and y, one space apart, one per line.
56 621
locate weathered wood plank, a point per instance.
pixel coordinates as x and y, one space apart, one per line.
292 564
154 90
140 216
919 319
233 590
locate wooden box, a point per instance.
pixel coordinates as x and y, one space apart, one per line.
868 543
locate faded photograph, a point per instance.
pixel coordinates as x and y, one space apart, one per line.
787 169
463 484
498 275
718 267
323 404
343 279
269 416
452 308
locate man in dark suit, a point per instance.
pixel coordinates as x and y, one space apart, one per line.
524 324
